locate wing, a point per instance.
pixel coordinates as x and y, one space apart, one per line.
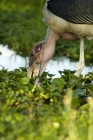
75 11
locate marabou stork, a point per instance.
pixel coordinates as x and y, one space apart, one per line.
69 19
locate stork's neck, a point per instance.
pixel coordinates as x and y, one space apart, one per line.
50 40
51 36
49 44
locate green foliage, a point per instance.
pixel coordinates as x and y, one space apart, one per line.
20 24
60 109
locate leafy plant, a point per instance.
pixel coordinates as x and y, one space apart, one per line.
61 108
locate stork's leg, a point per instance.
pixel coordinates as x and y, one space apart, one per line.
81 59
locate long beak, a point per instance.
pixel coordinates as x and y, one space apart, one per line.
34 70
35 61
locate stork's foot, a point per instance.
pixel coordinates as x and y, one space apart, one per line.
35 61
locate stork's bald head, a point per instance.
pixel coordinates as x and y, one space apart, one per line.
41 53
35 60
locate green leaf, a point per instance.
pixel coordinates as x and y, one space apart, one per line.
78 92
57 94
51 75
59 82
17 72
89 86
75 102
44 74
10 94
52 88
24 80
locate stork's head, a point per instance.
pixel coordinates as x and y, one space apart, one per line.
41 53
35 60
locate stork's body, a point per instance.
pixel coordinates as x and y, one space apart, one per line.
77 17
69 19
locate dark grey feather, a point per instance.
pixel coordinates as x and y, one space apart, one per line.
75 11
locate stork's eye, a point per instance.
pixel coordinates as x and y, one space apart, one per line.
39 49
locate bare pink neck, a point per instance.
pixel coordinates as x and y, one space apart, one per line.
51 36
